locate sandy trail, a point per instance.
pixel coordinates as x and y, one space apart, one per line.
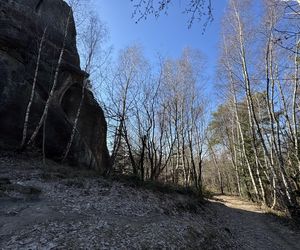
252 227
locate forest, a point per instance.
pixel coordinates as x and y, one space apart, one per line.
163 127
159 122
129 148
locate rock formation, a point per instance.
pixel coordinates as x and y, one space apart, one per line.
22 24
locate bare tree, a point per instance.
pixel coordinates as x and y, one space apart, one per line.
195 9
94 36
28 110
50 97
262 135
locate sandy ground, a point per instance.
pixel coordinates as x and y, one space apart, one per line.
252 226
56 207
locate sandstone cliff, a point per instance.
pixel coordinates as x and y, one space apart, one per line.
22 24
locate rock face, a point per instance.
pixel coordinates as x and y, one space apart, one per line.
22 24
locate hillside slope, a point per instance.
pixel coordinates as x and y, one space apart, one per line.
57 207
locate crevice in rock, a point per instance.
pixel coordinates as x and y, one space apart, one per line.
38 6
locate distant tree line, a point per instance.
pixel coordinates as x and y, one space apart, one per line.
157 117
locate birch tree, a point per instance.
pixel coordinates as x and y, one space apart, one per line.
28 109
51 93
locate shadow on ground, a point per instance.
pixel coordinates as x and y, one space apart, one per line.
252 227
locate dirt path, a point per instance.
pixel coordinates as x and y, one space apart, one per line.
252 227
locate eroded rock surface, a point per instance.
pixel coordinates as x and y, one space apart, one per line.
22 24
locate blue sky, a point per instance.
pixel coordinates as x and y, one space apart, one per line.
166 35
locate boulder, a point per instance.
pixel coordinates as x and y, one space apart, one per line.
22 24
